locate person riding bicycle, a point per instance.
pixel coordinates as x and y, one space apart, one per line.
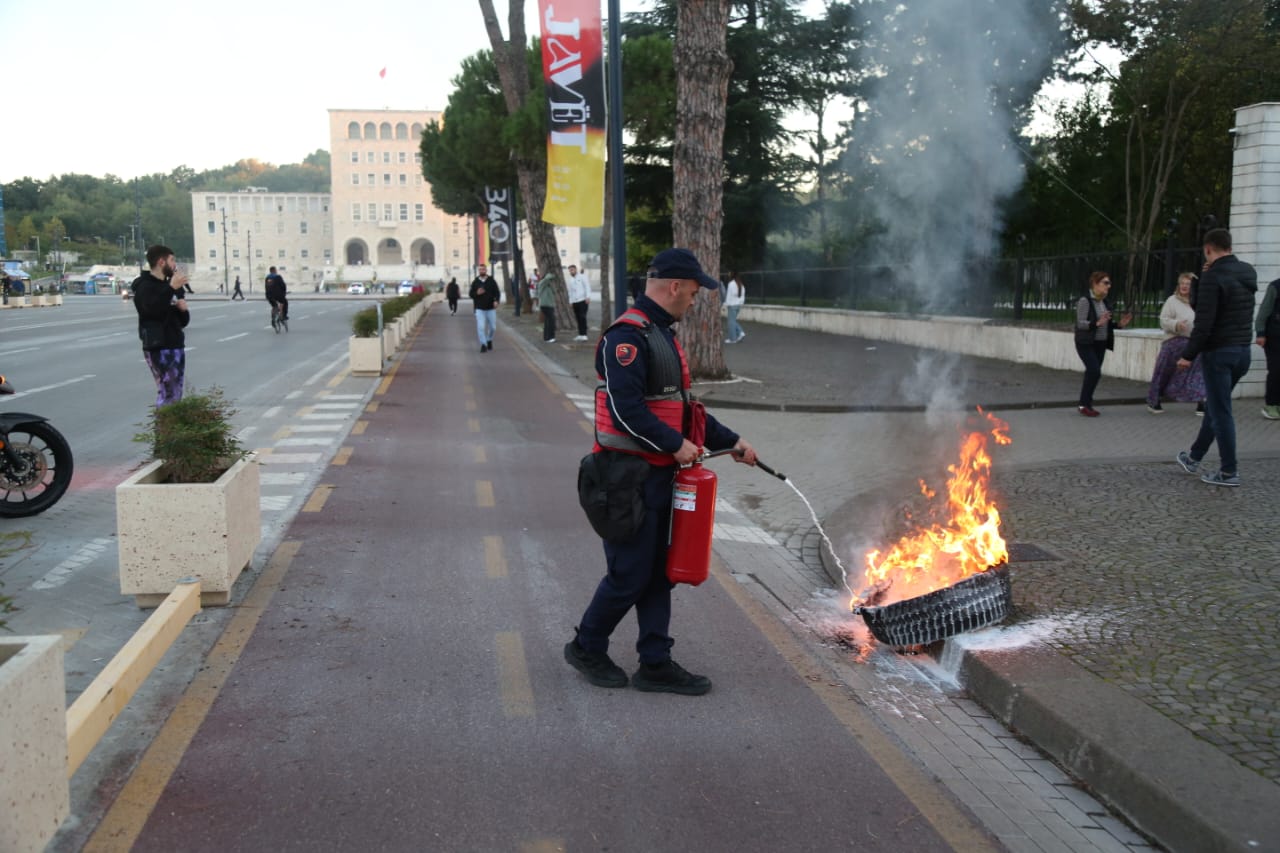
275 288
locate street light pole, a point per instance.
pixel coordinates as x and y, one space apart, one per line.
225 254
249 236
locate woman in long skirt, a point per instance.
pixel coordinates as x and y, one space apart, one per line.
1167 382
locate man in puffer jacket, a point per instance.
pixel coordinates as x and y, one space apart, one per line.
1222 336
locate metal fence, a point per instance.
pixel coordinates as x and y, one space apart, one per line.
1016 288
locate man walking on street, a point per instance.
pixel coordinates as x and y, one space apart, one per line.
237 293
1221 335
159 297
485 296
579 297
644 412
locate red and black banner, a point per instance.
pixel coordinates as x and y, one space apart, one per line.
573 69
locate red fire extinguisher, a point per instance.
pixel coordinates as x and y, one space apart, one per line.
693 517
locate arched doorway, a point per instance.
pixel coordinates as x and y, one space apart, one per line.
390 252
423 251
357 252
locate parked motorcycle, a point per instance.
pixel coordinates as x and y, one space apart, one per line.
35 462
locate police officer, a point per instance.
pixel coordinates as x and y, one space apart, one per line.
643 408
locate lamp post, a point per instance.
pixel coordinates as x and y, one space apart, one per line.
36 237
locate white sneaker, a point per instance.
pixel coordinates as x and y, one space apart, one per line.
580 337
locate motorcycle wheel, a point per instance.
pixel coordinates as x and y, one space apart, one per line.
46 473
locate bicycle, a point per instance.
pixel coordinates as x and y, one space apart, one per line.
278 320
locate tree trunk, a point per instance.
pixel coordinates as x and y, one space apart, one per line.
702 68
531 173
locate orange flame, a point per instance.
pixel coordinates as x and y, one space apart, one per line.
959 535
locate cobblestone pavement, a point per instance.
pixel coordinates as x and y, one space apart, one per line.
1145 576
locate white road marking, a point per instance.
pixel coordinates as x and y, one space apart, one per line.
271 412
303 442
316 428
63 384
274 503
282 478
233 337
326 370
62 572
290 459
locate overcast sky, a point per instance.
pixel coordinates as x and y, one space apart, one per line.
141 86
137 87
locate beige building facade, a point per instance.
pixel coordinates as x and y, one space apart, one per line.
245 233
379 223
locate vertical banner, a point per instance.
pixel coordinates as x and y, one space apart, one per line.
497 204
573 69
480 231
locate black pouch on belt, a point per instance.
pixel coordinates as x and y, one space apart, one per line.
611 491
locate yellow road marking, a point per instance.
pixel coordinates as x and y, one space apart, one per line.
480 456
471 405
468 389
473 424
588 428
304 411
513 675
123 822
343 455
484 493
372 407
570 407
925 793
360 427
262 451
338 377
495 562
283 432
544 845
315 503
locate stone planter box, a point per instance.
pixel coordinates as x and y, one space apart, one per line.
17 301
33 741
39 300
171 531
366 356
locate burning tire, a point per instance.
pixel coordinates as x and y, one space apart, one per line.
975 602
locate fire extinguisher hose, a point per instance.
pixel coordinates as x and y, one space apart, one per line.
763 467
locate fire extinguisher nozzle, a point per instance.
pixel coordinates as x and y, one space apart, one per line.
765 468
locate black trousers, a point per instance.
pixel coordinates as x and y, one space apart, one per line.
1092 354
1272 392
548 324
580 314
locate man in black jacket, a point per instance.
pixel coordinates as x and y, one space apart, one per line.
1222 336
485 295
275 288
160 300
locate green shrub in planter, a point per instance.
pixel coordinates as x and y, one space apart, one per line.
364 323
193 437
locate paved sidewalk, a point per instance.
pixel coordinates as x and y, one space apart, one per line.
1157 592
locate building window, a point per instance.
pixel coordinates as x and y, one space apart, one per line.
355 179
235 226
418 212
235 253
417 180
370 130
386 179
355 156
404 213
353 130
369 157
313 204
417 156
416 130
384 130
303 227
404 157
328 254
373 212
386 213
402 130
386 156
280 227
213 253
280 254
213 228
404 179
293 204
455 227
257 253
455 254
324 227
303 253
212 204
355 211
373 179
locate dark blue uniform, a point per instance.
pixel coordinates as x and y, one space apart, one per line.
637 574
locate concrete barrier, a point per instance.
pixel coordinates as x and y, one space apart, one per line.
1133 358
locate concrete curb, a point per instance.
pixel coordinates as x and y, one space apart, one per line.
1173 786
